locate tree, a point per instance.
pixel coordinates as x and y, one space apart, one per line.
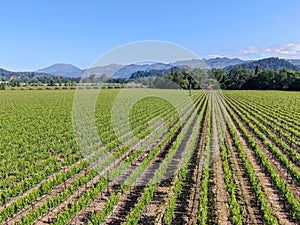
14 82
237 77
51 82
199 77
257 70
220 75
267 80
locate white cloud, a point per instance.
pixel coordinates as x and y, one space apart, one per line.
291 50
215 56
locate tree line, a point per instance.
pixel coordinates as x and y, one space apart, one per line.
236 78
239 78
44 80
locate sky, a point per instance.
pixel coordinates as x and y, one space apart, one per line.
36 34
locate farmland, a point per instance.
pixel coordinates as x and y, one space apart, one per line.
231 158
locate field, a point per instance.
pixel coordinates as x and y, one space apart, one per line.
223 157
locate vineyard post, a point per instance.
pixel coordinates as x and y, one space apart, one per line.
33 206
48 211
190 86
107 185
94 205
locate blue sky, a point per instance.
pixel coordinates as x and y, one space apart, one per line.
35 34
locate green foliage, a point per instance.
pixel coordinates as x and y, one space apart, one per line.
153 73
239 78
173 78
35 152
277 180
38 81
135 212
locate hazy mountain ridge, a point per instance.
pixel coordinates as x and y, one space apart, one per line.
295 62
272 63
220 63
109 70
6 75
62 69
193 63
125 71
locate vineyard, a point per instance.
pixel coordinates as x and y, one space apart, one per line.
231 158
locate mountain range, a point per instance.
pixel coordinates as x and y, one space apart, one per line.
220 63
8 74
125 71
272 63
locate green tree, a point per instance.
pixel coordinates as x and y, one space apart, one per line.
237 78
220 75
14 82
199 77
2 86
257 70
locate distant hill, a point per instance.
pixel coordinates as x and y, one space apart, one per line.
272 63
193 63
159 69
109 70
296 62
123 71
4 73
61 69
127 71
220 63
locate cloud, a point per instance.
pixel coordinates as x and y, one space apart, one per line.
215 56
291 50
